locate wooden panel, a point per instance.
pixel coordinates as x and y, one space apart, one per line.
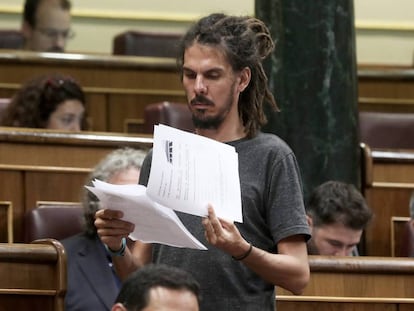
120 85
405 307
285 305
397 233
386 202
52 185
97 108
116 87
389 183
386 88
33 276
41 165
53 148
354 283
130 106
393 166
12 184
6 220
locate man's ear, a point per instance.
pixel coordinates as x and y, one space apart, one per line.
245 76
309 220
118 307
27 30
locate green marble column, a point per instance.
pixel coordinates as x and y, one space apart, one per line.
313 77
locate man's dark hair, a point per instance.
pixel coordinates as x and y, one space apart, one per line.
31 6
335 201
246 42
135 292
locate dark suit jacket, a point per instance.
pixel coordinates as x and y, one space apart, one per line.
91 284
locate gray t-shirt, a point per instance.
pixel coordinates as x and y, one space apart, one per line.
273 209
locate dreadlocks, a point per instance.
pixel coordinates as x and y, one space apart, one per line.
246 42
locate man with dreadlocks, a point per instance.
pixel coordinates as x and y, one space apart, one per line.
226 87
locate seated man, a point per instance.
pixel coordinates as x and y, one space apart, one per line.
158 287
92 283
46 25
337 215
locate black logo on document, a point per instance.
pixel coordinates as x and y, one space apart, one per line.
169 151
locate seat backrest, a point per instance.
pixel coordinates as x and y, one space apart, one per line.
55 221
407 243
11 39
168 113
387 129
150 44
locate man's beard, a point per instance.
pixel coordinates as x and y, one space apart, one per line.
203 121
207 122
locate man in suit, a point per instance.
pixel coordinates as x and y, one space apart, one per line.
92 283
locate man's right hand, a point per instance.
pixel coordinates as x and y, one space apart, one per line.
111 228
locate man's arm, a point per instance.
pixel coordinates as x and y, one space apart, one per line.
288 269
111 229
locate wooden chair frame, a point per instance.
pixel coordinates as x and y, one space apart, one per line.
64 203
396 222
9 210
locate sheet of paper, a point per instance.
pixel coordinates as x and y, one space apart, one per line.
189 171
153 223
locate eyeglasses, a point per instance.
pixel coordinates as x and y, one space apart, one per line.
54 34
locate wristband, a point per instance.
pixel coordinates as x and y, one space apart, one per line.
247 253
120 252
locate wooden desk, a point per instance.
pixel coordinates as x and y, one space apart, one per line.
41 165
388 182
117 87
385 88
33 276
354 283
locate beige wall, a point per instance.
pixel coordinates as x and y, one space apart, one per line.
385 31
384 28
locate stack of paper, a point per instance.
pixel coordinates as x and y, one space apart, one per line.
188 172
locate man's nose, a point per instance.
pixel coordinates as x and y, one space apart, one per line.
60 41
342 251
75 126
200 86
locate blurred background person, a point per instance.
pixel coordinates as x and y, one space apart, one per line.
159 287
337 214
46 25
92 283
51 101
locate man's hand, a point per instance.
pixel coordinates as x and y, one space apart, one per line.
111 229
224 235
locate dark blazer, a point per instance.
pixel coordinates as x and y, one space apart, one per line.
91 284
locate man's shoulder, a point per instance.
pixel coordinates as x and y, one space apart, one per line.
268 141
75 241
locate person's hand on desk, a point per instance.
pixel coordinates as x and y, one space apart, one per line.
111 229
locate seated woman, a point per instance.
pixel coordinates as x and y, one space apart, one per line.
51 101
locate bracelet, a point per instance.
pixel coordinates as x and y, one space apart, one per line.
245 254
120 252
